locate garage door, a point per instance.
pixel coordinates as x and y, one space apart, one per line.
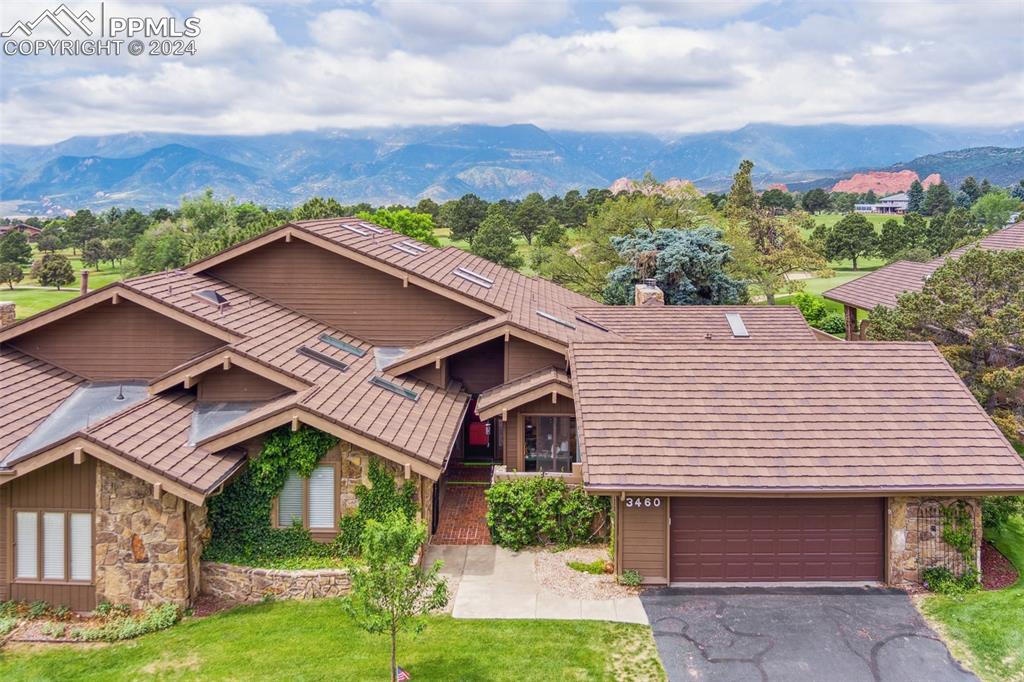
736 539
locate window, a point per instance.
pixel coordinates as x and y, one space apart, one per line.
311 502
53 546
550 443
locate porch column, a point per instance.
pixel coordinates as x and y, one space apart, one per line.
851 323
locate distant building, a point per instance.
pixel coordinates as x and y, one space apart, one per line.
894 203
28 230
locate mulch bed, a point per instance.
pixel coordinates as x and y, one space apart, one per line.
207 605
996 570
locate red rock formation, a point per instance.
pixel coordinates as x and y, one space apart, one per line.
882 182
933 179
777 185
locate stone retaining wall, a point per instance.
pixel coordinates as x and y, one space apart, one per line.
914 546
244 584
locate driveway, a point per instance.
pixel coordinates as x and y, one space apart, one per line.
847 634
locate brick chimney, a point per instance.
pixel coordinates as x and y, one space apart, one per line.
7 313
85 283
648 293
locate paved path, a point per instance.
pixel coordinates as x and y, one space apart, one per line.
491 582
798 634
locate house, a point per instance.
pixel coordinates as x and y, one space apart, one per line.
883 286
123 411
28 230
895 204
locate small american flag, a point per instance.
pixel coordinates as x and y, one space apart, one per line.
401 675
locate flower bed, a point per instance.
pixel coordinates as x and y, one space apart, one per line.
246 584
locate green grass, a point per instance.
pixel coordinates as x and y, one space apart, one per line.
28 302
986 629
98 277
830 219
315 641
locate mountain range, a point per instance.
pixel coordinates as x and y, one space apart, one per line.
402 165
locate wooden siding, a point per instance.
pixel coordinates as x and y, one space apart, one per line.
643 538
436 377
62 485
479 368
237 384
345 294
515 454
525 357
110 342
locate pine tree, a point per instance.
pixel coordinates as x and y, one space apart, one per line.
915 195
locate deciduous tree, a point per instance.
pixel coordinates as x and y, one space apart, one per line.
419 226
815 200
766 250
994 209
390 590
11 274
851 238
463 216
14 248
93 252
528 217
495 240
53 270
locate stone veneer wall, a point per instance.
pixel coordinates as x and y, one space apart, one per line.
352 475
244 584
142 544
906 538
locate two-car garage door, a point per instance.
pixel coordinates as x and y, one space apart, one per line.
761 539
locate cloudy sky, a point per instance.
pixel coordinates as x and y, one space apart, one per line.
667 67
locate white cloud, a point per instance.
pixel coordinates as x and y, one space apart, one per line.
655 12
409 63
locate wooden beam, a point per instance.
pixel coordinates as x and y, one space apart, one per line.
407 471
115 299
288 237
851 322
295 423
504 415
158 490
78 458
554 397
227 362
437 363
189 381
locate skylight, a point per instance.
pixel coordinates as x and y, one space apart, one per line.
209 418
385 355
405 249
212 297
357 230
474 277
320 357
87 405
739 330
556 320
342 345
394 388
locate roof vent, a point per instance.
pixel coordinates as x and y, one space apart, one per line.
739 330
556 320
212 297
475 278
342 345
357 230
394 388
321 357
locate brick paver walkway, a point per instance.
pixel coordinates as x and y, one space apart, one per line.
464 510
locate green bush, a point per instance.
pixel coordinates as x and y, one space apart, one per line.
995 511
541 510
7 623
376 502
631 578
833 323
941 580
593 568
122 627
55 630
812 307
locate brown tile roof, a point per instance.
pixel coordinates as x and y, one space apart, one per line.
883 286
507 393
155 434
30 390
800 416
695 322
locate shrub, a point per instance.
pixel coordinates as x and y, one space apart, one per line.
811 307
38 609
7 623
593 568
541 511
383 497
995 511
631 578
55 630
122 627
941 580
833 323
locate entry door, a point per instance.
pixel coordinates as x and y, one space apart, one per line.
768 540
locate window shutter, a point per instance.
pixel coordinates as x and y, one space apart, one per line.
289 504
81 546
27 537
321 497
53 546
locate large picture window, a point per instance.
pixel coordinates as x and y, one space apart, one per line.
550 443
310 501
53 546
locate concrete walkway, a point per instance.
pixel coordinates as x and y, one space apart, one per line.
491 582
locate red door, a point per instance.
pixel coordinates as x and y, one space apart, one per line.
723 539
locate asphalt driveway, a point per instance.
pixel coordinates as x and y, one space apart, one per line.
740 634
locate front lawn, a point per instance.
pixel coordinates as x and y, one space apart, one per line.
986 629
28 301
315 640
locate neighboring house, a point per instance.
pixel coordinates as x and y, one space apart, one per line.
28 230
896 204
883 286
736 446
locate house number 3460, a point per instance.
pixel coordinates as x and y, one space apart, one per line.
634 502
